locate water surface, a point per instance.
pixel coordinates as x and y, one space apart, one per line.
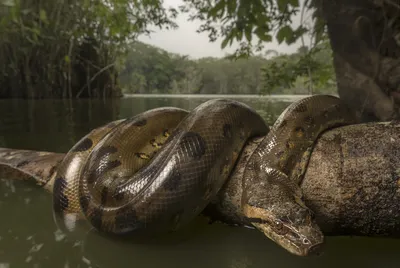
29 237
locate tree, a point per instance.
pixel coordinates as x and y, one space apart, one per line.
364 36
148 69
68 48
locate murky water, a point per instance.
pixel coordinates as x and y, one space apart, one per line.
29 237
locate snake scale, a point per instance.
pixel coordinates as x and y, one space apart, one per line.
156 171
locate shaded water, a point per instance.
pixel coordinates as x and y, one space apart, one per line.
29 237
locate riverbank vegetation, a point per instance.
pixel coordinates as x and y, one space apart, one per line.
75 49
48 51
148 69
68 49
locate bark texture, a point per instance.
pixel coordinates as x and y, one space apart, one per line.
352 182
365 39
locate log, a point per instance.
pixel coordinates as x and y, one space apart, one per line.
352 182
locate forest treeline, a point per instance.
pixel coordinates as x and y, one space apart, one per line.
47 51
149 69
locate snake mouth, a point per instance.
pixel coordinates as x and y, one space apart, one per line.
300 236
315 250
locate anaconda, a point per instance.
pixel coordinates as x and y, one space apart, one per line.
101 178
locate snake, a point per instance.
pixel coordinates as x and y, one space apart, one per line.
156 171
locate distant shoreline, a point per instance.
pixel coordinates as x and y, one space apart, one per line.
232 96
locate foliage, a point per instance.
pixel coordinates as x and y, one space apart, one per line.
49 51
241 20
314 68
67 48
148 69
253 23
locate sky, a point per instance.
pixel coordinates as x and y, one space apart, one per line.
186 41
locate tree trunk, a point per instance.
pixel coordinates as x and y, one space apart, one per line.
365 39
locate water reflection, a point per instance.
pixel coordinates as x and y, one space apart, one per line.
29 237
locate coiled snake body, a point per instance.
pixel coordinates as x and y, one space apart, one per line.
156 171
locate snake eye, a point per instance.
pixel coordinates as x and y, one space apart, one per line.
279 227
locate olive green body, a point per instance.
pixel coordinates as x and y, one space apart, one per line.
119 194
272 197
156 171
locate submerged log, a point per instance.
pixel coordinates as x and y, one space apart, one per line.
352 182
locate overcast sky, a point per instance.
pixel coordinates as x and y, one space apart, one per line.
186 41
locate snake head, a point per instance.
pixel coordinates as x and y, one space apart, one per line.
286 221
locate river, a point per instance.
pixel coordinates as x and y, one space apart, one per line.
29 236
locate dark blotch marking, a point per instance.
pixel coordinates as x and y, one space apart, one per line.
98 169
95 218
309 120
82 146
288 144
102 169
105 151
23 163
139 122
118 194
126 220
104 195
153 143
242 132
173 182
194 143
166 133
227 131
283 123
301 108
280 154
61 201
84 201
299 130
156 144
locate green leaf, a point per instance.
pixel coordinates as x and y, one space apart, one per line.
231 5
42 15
282 5
225 42
300 31
239 36
247 32
213 12
294 3
67 59
262 34
285 32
